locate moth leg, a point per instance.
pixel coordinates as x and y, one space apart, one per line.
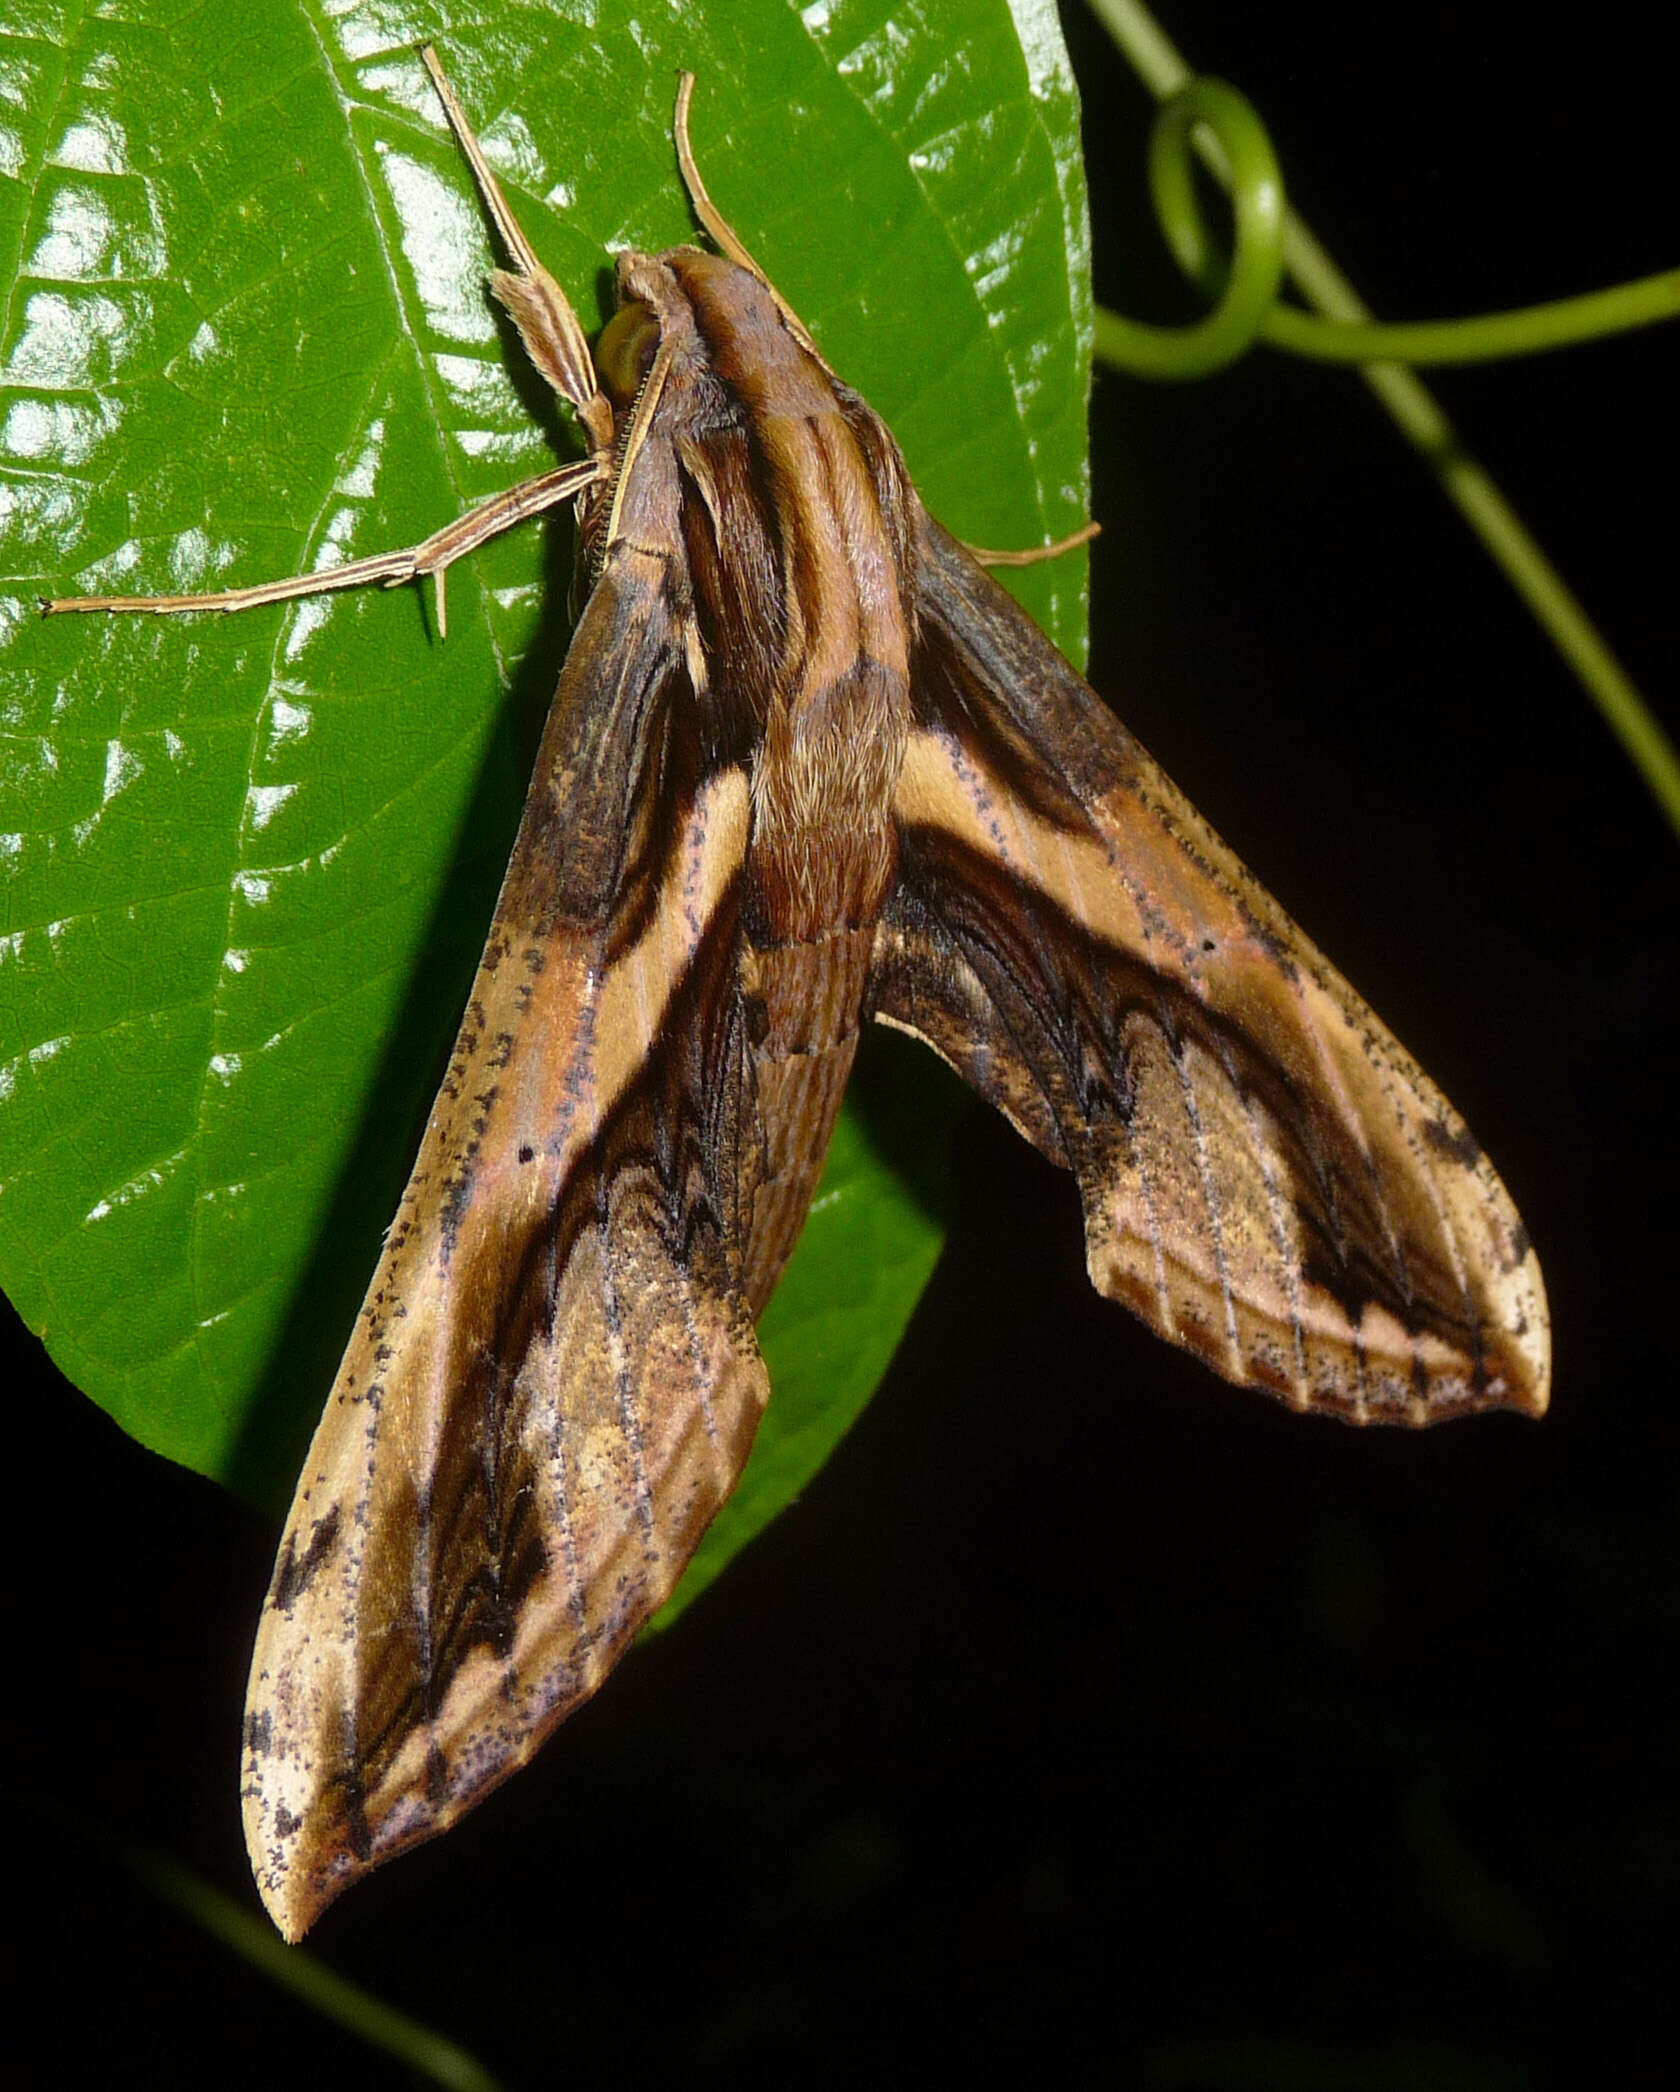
723 235
553 336
380 569
1034 553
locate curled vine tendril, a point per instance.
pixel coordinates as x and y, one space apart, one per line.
1224 130
1246 287
1244 290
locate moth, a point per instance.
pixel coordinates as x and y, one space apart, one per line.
806 765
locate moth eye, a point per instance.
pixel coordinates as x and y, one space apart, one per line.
624 353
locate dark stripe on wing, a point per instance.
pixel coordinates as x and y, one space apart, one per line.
1042 1017
662 1182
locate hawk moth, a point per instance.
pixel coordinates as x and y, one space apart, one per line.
806 764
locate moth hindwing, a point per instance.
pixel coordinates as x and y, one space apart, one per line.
806 764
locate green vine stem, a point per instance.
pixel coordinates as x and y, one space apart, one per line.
1244 291
1495 334
421 2051
1231 141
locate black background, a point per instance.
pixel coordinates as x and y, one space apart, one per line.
1088 1721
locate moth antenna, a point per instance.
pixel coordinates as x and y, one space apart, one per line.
641 420
513 236
551 331
722 234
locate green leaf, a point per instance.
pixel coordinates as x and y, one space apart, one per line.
247 862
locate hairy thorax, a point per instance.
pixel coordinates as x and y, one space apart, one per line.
783 502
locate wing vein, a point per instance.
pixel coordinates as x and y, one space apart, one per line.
612 1313
1289 1266
1210 1189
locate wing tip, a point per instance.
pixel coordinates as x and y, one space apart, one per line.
1526 1386
295 1902
293 1890
302 1866
1524 1335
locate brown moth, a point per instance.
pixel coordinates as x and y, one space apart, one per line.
806 764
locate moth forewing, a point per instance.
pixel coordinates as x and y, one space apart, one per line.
806 763
553 1383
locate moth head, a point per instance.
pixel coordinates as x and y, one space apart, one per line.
652 309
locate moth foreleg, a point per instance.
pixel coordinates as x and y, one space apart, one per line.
1032 555
432 557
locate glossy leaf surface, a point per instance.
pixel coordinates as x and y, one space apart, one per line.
247 862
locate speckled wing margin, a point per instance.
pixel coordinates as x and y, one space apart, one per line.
553 1383
1268 1178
